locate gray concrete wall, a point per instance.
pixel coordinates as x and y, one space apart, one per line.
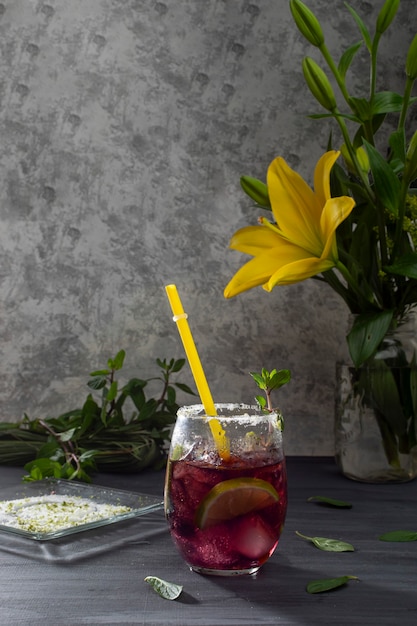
125 126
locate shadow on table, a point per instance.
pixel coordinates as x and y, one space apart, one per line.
279 590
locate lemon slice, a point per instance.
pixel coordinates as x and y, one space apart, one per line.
232 498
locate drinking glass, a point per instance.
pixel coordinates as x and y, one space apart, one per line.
226 509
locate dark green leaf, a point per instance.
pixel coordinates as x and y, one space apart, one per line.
328 545
171 395
167 590
178 365
381 391
405 266
366 334
326 584
148 409
330 502
185 388
97 383
386 184
256 190
399 535
397 144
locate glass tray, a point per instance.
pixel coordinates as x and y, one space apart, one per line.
139 503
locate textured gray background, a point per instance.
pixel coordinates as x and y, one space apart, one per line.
125 126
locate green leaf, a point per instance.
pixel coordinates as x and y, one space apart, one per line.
112 392
347 58
67 435
328 545
43 468
98 382
380 387
397 144
361 107
405 266
171 395
178 365
386 184
148 409
167 590
119 360
362 27
185 388
386 102
399 535
261 401
326 584
258 379
366 334
100 373
256 190
280 378
330 502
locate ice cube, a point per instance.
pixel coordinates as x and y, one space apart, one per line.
253 538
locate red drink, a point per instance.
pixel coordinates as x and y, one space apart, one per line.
229 516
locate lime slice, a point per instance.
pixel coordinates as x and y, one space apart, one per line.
232 498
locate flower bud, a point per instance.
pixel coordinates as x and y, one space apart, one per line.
411 62
319 84
307 23
361 158
386 15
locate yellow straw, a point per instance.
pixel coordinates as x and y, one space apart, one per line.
197 370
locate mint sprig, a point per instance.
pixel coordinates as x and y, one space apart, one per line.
267 382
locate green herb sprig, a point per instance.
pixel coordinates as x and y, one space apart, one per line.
101 435
268 381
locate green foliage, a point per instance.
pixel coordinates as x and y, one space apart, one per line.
268 381
164 588
122 431
328 545
327 584
399 536
330 502
376 273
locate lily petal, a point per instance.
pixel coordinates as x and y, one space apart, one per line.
298 271
335 211
258 271
322 175
254 239
294 206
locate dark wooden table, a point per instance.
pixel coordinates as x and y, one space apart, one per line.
97 577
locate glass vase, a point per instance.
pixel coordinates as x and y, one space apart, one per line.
376 411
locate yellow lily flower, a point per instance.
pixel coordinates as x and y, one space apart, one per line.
302 242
